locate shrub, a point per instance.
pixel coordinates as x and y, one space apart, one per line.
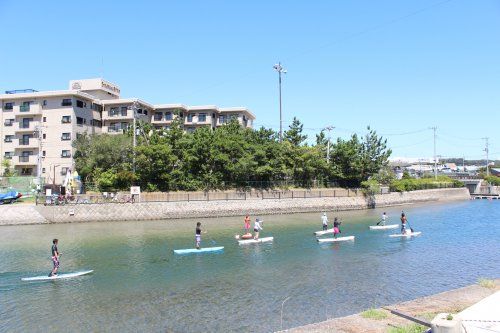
374 314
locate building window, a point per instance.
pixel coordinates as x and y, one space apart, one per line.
8 155
44 153
81 104
25 123
26 171
44 119
66 119
43 170
66 136
139 111
8 106
222 119
168 116
25 107
202 117
81 121
25 140
44 136
96 107
158 116
64 171
96 123
189 118
8 138
65 153
8 122
146 112
67 102
44 102
123 111
113 112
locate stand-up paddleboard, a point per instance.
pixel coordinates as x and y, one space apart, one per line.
255 241
384 227
56 277
202 250
324 232
408 234
339 239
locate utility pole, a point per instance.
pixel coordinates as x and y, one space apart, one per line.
39 136
435 157
329 129
487 150
280 70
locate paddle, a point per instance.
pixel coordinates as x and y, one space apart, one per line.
379 222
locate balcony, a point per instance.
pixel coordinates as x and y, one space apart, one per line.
27 160
27 143
114 130
112 115
27 110
25 128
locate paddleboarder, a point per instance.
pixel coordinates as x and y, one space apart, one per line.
336 227
384 218
198 235
403 223
324 220
55 257
247 224
256 228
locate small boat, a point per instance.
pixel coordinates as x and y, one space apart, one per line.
255 241
408 234
324 232
57 276
384 227
201 250
339 239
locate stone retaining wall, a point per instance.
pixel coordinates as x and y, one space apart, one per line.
173 210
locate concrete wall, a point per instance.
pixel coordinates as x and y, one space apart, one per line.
170 210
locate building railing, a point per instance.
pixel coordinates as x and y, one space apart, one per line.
24 159
24 108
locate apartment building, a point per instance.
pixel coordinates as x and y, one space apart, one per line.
38 127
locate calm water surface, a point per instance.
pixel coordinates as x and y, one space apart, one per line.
139 285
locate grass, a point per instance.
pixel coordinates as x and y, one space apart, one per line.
486 283
413 328
374 314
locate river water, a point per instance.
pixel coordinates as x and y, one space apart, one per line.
140 285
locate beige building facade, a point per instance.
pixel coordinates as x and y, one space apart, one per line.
38 128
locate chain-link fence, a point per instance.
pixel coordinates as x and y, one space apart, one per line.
25 185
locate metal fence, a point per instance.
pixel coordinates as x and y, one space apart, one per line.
25 185
122 197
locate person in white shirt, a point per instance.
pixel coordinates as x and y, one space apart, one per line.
324 219
256 228
384 218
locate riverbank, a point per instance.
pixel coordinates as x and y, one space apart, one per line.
453 301
31 214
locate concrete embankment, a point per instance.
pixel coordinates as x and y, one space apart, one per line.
173 210
427 308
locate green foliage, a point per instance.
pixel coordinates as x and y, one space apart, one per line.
486 283
374 314
7 169
493 180
370 187
226 157
412 328
412 184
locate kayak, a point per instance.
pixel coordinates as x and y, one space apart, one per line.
324 232
384 227
202 250
339 239
255 241
409 234
56 277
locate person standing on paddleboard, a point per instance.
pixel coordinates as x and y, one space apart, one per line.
197 235
324 219
403 223
55 256
384 218
336 227
256 228
247 224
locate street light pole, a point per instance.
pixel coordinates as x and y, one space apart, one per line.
435 157
329 129
134 142
280 70
487 150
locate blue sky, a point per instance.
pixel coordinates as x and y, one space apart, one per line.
399 66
